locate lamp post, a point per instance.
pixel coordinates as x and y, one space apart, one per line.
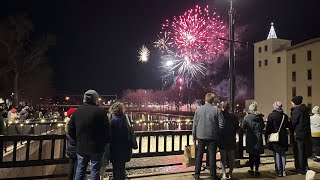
231 57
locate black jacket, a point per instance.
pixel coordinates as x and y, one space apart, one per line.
228 134
300 122
273 124
71 147
2 125
120 150
90 127
253 125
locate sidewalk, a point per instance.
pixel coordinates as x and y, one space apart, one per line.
267 172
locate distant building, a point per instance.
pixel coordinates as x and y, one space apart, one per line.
282 71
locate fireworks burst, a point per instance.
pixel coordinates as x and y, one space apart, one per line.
144 54
195 34
163 42
181 66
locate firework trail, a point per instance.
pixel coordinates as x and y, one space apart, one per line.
144 54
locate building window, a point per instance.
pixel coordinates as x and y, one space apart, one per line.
309 91
294 91
265 48
266 62
309 55
260 63
279 60
309 74
293 58
259 49
294 76
310 107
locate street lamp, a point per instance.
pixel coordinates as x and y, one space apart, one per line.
231 57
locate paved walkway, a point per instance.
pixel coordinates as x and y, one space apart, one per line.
267 172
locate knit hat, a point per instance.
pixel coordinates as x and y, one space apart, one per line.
13 110
316 110
297 100
70 111
277 106
253 107
91 96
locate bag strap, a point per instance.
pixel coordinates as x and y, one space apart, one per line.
281 123
128 122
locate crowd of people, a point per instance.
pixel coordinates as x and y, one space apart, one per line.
98 137
216 127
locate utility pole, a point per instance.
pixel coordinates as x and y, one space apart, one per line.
231 58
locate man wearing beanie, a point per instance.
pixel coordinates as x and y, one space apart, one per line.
315 131
90 127
300 122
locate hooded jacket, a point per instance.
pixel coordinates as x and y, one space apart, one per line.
300 121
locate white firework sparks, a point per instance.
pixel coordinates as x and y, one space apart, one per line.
144 54
183 66
162 43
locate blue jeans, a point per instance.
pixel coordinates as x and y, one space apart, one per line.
280 161
83 160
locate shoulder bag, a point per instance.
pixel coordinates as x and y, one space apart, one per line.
274 137
131 135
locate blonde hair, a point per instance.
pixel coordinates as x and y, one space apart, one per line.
209 98
117 109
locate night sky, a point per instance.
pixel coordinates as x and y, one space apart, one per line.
97 41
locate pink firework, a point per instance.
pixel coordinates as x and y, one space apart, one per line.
196 34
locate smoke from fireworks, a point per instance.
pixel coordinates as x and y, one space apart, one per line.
144 54
195 34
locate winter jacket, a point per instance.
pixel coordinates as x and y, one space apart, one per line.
315 125
300 126
300 121
207 122
71 146
120 150
90 127
228 134
253 125
273 124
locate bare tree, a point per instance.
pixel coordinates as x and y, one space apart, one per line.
20 55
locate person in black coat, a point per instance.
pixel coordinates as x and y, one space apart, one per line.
300 128
90 127
71 147
227 143
279 148
120 149
253 125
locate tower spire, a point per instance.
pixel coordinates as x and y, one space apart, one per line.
272 33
